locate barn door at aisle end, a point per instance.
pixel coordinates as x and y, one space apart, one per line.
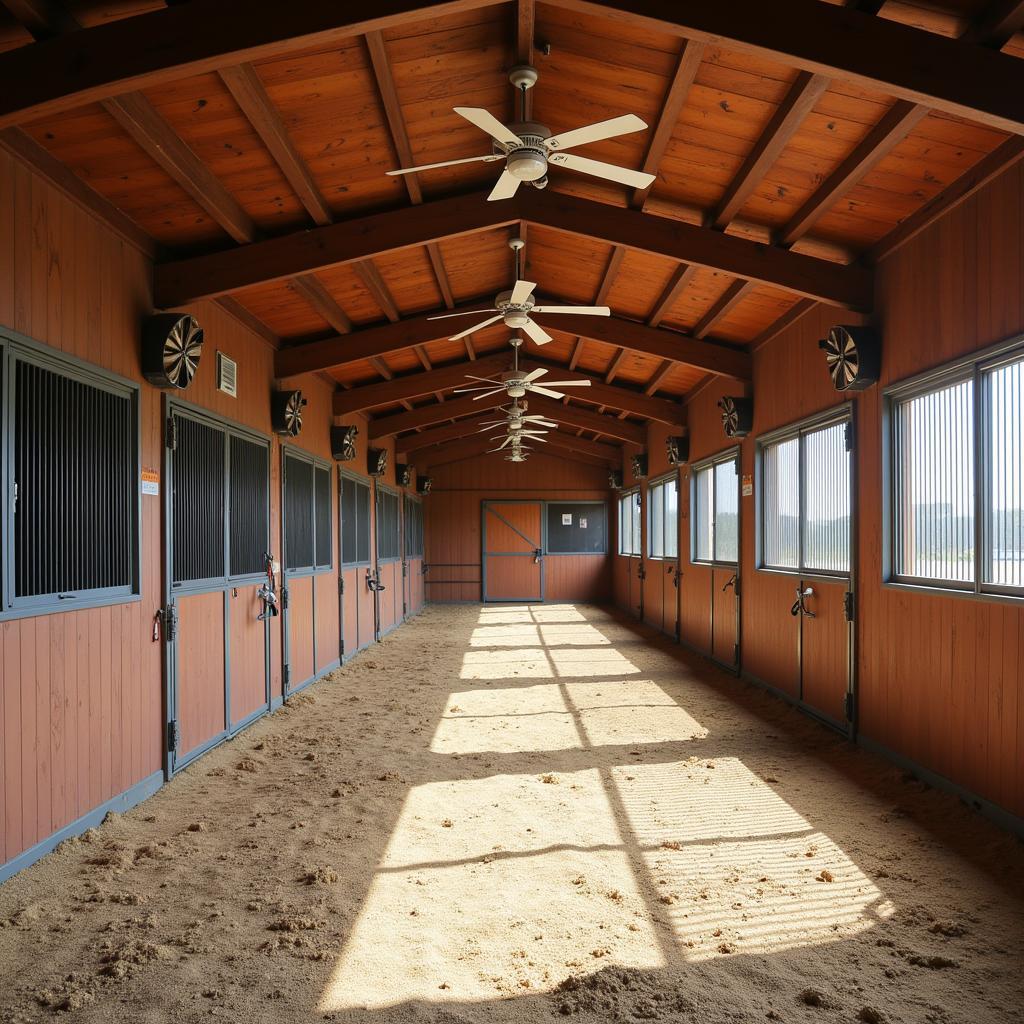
513 555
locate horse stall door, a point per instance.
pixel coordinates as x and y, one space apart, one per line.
200 691
824 650
298 530
725 618
357 613
248 676
654 594
512 551
388 575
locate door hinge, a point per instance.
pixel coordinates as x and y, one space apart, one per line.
284 597
341 584
172 736
848 708
848 435
286 675
171 434
848 606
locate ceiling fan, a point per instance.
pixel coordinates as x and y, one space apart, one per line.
516 383
517 421
516 449
527 147
514 307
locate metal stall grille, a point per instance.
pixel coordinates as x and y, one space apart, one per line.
197 512
250 507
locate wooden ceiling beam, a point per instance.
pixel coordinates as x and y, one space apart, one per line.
998 26
352 241
188 39
421 330
526 27
658 378
43 19
468 447
849 287
368 273
799 102
678 283
675 99
245 86
310 288
348 241
720 308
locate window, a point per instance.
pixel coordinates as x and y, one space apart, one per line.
73 490
805 497
663 518
413 528
200 482
576 528
355 521
716 510
307 512
956 490
629 523
388 546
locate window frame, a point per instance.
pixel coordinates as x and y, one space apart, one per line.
661 483
408 504
291 451
971 367
394 492
731 454
833 416
15 347
365 482
173 404
636 552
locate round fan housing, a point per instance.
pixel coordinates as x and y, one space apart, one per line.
172 344
423 484
615 479
404 474
343 442
639 464
737 415
377 461
286 412
678 450
853 356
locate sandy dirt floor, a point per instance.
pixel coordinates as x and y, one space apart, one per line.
519 814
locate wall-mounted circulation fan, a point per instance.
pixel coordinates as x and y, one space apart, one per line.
286 412
343 442
423 484
678 449
737 415
615 479
854 357
172 344
527 147
377 461
404 474
516 383
639 463
515 306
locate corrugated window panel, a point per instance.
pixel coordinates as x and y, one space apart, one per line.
826 500
780 506
75 469
934 484
198 501
249 487
656 541
703 514
362 503
413 528
726 524
1004 507
636 528
322 512
349 545
625 524
387 525
298 513
672 519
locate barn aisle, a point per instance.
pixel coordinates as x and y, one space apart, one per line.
516 812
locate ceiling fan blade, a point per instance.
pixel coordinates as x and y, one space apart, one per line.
584 310
462 312
536 333
486 380
540 421
531 433
476 327
544 391
487 122
494 388
595 132
599 169
506 187
567 383
521 291
446 163
534 374
488 394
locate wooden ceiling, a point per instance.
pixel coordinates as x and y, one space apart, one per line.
245 145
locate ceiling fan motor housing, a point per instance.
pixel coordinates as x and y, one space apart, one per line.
528 162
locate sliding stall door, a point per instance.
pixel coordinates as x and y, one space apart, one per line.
513 551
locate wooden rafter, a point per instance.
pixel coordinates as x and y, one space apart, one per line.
999 25
675 99
150 49
678 283
526 25
312 290
361 238
43 19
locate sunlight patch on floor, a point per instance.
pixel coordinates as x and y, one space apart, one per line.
506 663
515 635
572 633
577 662
483 907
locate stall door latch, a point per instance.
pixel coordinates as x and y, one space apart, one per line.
848 606
172 736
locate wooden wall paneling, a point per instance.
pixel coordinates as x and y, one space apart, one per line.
200 682
300 630
824 647
248 672
723 605
695 607
585 578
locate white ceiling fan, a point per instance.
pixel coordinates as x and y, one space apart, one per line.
516 383
517 421
516 449
514 307
527 147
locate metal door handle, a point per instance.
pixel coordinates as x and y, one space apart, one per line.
799 605
537 556
730 582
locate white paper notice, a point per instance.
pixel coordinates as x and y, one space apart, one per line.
567 519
